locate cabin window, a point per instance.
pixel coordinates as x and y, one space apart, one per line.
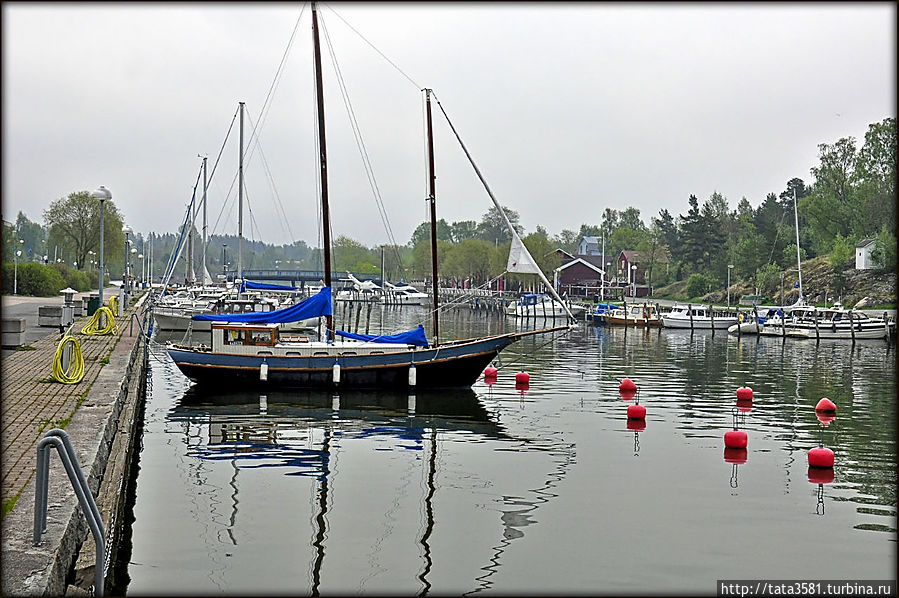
249 337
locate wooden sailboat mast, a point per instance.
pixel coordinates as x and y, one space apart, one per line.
432 197
323 161
240 202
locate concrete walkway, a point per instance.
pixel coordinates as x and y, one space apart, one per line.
32 404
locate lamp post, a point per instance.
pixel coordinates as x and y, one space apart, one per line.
102 193
634 279
224 271
15 279
729 268
125 283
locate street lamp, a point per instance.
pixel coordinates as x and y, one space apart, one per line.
729 268
634 279
125 282
102 193
15 279
140 256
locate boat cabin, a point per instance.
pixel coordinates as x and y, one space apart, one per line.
233 337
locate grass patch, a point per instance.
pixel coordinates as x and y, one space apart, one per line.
105 360
26 348
8 505
54 423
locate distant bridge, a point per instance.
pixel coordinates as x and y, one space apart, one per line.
298 276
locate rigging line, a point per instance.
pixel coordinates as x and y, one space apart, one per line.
360 143
271 182
783 215
280 70
222 148
501 211
417 86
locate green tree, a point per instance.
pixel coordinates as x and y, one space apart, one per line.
767 278
830 206
74 224
422 233
693 236
630 218
350 255
884 254
464 229
493 229
876 174
468 258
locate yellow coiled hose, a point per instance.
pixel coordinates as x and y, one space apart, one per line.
76 365
114 304
93 326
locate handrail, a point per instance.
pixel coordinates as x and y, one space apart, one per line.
59 439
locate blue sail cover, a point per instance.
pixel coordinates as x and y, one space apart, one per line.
415 336
313 307
262 286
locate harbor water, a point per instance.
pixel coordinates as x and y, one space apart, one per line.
548 489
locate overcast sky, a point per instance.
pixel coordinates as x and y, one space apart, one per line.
567 108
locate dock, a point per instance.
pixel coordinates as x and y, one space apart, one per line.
100 414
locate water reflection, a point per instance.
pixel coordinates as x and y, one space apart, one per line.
545 490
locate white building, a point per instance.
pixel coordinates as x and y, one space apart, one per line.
863 251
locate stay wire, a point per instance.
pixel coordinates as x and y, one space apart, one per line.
381 54
271 181
357 134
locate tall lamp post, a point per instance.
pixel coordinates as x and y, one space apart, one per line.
126 286
140 256
634 279
102 193
15 279
729 268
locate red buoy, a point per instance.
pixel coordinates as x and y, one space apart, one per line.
820 457
489 381
744 405
735 439
824 417
627 385
744 393
826 405
522 387
522 378
820 475
636 425
735 455
490 372
636 412
628 395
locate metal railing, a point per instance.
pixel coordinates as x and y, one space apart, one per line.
60 440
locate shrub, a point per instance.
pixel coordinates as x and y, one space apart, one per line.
698 285
39 280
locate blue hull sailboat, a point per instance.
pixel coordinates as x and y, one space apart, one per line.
252 348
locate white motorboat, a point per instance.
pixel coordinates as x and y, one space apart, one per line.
404 294
541 305
698 317
835 322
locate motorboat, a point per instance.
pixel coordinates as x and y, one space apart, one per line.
541 305
635 314
698 317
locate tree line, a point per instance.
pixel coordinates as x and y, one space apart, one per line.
852 197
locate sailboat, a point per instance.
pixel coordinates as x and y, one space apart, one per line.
250 349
